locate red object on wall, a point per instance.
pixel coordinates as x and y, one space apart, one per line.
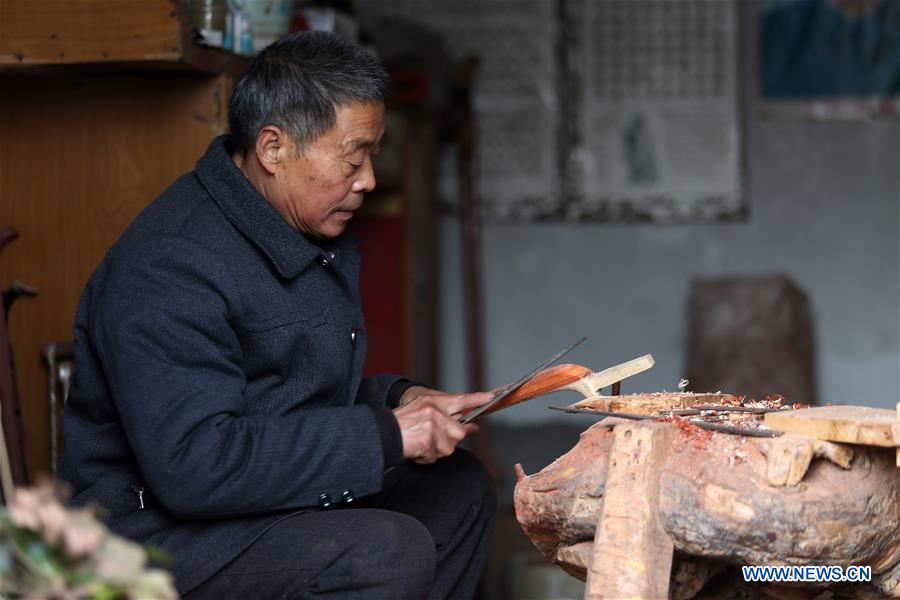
383 283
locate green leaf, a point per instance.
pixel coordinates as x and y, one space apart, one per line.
80 577
107 591
159 555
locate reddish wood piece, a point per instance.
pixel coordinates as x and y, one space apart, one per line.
549 380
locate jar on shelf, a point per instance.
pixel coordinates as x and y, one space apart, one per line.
208 18
269 20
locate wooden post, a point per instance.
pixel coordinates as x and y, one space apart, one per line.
897 434
6 480
632 555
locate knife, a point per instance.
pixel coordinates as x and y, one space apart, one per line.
506 391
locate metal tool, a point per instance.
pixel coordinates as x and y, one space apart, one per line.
503 393
718 427
606 413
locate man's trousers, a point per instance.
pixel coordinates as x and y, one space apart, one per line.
426 535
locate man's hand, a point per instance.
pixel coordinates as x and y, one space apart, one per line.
429 422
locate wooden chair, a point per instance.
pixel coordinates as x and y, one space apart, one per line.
60 360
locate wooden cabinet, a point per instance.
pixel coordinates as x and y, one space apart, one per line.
103 103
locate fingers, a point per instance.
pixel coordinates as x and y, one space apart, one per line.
413 392
465 402
449 403
429 424
427 432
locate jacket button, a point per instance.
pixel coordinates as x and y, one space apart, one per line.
330 255
348 496
325 500
353 335
324 261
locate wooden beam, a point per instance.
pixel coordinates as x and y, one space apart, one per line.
632 554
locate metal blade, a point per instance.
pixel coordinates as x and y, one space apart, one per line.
506 391
604 413
717 427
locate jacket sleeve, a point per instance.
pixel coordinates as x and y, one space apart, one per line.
382 393
173 364
383 390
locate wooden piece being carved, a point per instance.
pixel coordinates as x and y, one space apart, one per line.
715 503
549 380
649 404
576 378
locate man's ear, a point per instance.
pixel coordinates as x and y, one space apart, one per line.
271 145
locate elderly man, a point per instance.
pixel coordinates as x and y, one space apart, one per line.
219 409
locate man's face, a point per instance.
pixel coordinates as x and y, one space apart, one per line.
318 189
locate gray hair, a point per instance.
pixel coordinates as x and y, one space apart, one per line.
298 83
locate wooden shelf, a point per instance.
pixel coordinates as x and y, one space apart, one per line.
117 34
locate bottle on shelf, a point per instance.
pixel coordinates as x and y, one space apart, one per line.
238 34
208 18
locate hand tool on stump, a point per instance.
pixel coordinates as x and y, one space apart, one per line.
566 377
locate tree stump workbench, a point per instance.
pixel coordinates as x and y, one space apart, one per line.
663 509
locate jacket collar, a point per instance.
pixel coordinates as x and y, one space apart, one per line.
289 250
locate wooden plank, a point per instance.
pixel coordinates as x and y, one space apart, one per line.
849 424
632 554
39 32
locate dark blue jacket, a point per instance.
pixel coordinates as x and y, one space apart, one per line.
219 384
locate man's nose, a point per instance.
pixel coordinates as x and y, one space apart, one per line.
366 180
